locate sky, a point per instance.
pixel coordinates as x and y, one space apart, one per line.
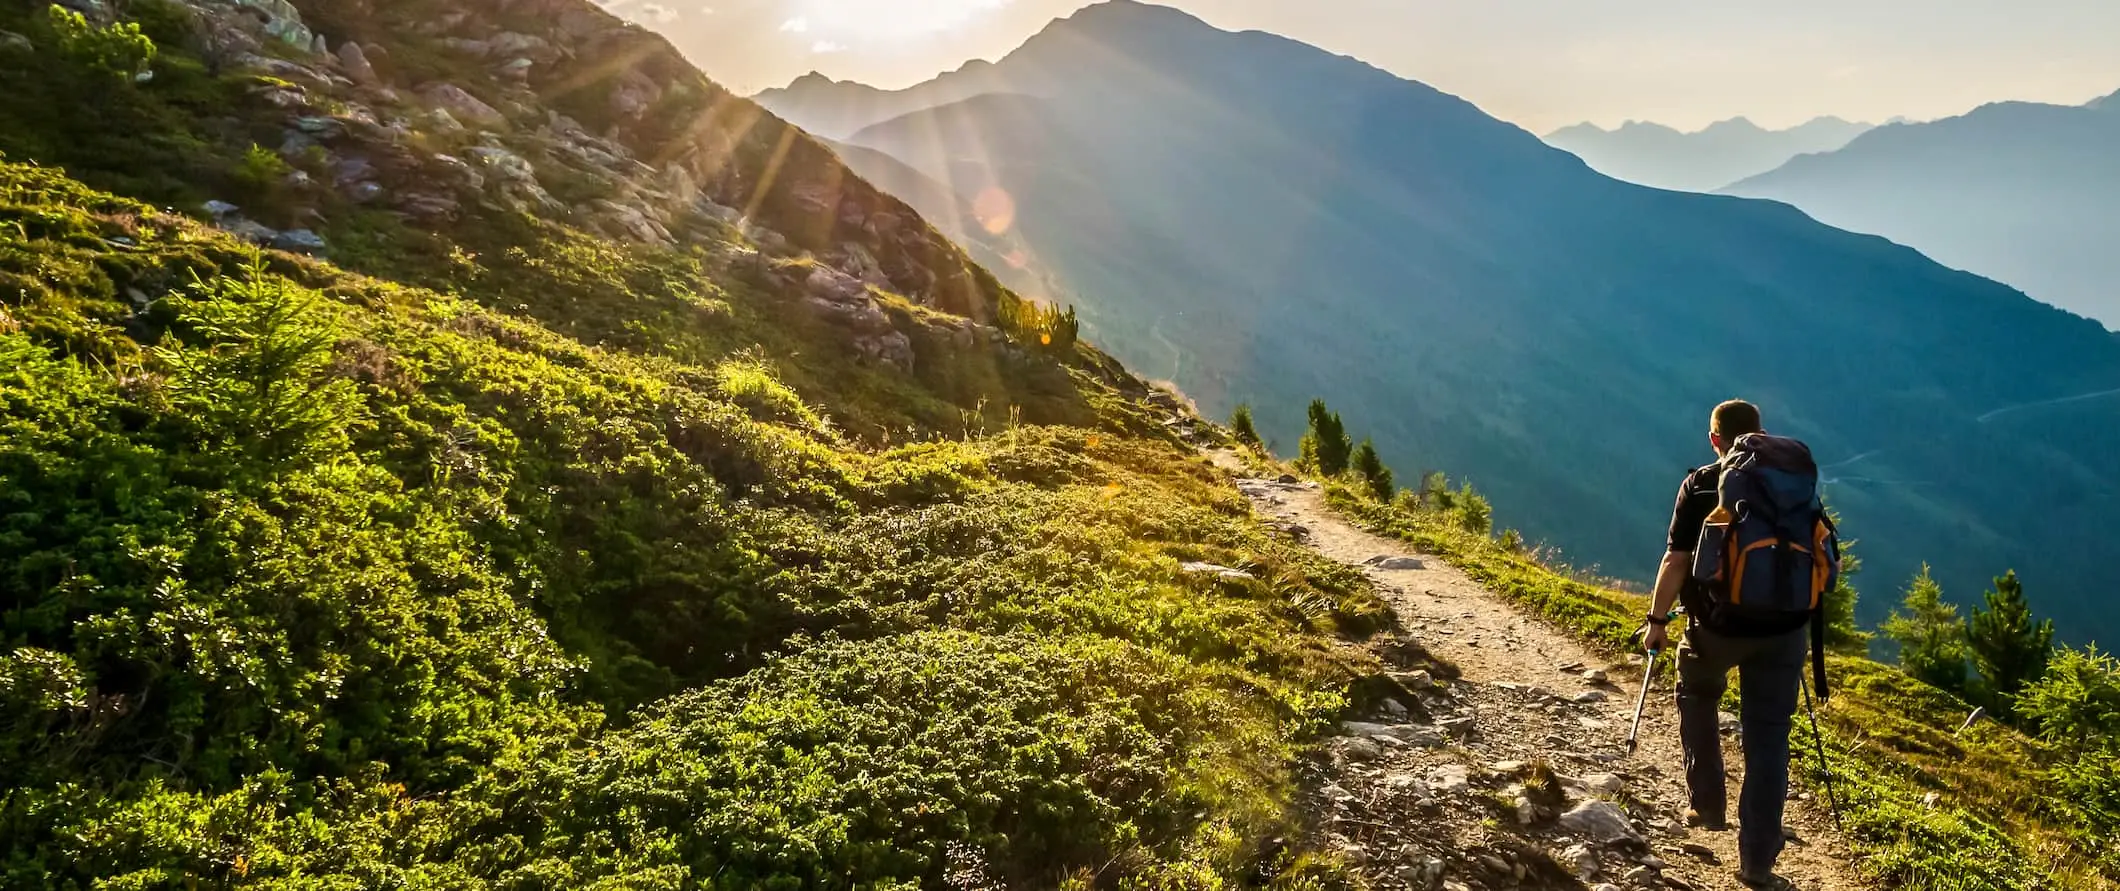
1542 64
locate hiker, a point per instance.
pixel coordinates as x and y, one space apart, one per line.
1750 555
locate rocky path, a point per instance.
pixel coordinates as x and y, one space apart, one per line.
1514 773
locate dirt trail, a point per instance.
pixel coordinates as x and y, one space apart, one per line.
1420 795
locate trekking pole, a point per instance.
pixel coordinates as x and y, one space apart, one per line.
1648 674
1818 735
1641 702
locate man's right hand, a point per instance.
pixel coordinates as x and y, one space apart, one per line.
1656 639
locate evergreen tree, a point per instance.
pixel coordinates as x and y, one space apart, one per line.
1930 635
2007 645
1240 424
1372 470
1325 448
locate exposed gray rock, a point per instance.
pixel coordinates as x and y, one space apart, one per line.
1357 749
1582 860
354 61
1224 572
1450 779
1640 876
1388 562
457 173
1416 680
462 105
1590 696
299 241
11 42
1288 479
250 230
1599 820
1603 784
1596 676
283 22
1727 723
218 209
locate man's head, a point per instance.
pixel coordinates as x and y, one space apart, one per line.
1731 420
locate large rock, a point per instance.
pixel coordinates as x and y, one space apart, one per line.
462 105
282 21
1600 820
354 61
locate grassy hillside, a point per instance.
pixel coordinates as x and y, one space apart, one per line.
495 550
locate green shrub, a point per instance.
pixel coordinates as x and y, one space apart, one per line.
117 53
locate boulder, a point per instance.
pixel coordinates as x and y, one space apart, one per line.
282 21
1603 784
1450 779
218 209
462 105
1600 820
456 173
300 241
1395 564
354 61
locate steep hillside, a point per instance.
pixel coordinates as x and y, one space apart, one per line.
1265 222
1724 152
2019 191
620 493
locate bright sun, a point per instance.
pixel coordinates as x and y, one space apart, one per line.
885 19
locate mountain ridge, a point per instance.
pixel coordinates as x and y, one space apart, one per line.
1700 160
2016 190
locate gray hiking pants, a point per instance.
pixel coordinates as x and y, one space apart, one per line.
1769 670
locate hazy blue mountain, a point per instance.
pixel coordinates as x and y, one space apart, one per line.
1259 220
1723 153
2020 191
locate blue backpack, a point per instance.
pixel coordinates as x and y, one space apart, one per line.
1768 547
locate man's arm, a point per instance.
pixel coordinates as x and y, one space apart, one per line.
1669 578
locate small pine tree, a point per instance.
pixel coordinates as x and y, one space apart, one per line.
2009 647
1372 470
1475 514
1325 448
1240 424
1435 490
1930 635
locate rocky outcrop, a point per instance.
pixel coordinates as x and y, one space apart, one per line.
553 108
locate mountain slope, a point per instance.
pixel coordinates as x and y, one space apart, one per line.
2019 191
1723 153
598 486
1261 221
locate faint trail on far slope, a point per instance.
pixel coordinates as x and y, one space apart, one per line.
2026 406
1413 798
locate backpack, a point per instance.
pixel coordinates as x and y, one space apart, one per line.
1768 547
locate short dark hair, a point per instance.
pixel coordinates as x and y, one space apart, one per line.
1735 418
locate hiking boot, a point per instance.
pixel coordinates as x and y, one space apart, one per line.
1765 880
1697 820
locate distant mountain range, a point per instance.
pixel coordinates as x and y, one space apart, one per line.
1263 221
1708 159
2020 191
